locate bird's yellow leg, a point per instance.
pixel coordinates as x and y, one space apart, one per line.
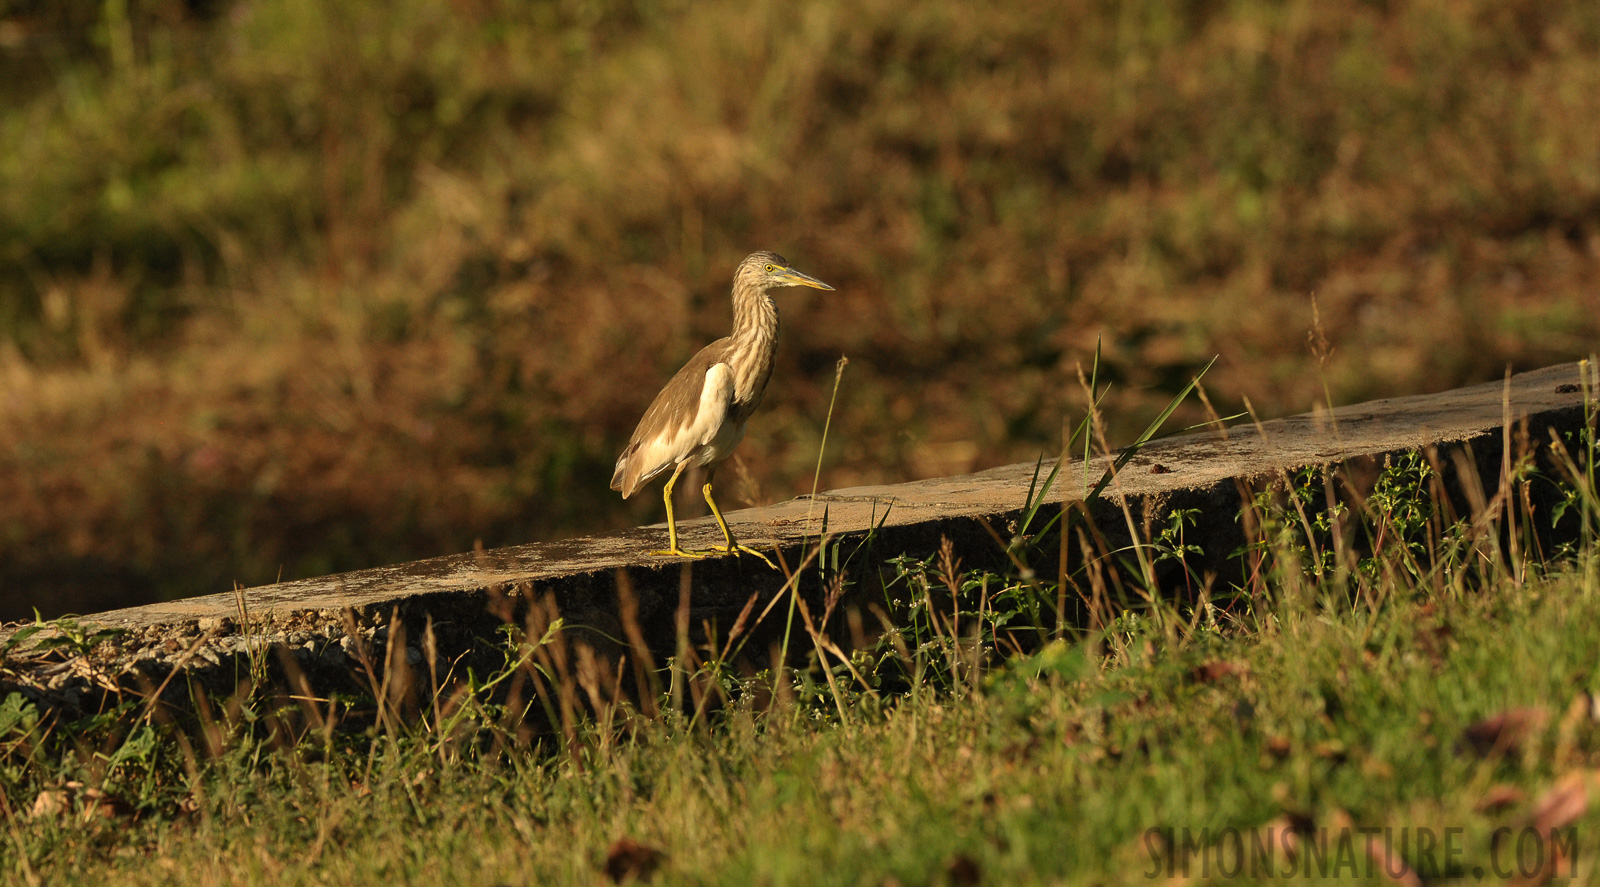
672 523
730 547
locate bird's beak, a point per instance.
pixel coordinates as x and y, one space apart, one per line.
791 277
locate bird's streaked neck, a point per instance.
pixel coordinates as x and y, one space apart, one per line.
755 315
755 341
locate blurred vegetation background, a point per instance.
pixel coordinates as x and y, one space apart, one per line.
296 286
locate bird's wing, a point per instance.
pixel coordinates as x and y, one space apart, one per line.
675 426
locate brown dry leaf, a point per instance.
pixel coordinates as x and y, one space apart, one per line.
1499 797
1216 671
1563 803
963 871
51 802
629 860
1559 807
99 805
188 811
1505 732
55 802
1331 750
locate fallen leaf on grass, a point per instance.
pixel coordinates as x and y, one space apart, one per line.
51 802
1563 803
1331 750
94 803
629 860
1559 807
1505 732
1498 797
1216 671
963 871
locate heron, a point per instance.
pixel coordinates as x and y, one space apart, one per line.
700 416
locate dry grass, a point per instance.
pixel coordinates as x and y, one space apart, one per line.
293 287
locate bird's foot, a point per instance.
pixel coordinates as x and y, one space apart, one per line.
701 553
684 552
745 549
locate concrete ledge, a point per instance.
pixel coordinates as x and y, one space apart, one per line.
1204 470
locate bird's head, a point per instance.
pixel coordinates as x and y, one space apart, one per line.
765 271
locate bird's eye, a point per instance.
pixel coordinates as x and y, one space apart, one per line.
771 268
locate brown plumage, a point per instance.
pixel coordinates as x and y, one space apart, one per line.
700 416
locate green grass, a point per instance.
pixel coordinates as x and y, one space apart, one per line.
1050 774
1407 674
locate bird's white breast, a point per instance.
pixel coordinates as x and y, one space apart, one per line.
707 436
718 433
